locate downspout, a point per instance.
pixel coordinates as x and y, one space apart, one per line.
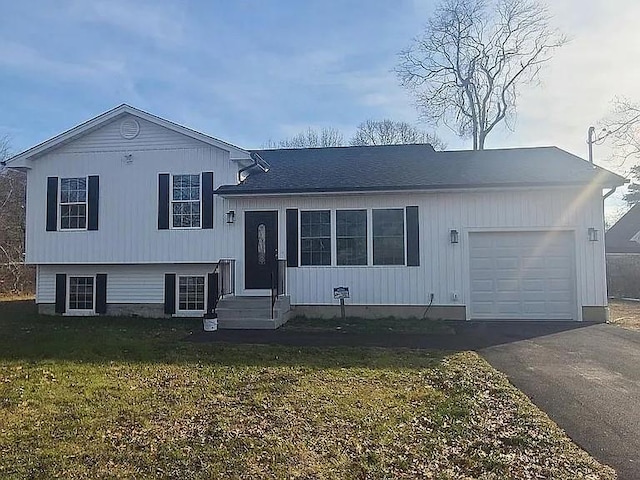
255 157
609 193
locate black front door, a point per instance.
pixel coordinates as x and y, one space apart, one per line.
260 248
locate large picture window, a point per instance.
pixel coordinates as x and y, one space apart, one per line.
315 237
80 293
191 293
388 237
73 203
351 237
185 201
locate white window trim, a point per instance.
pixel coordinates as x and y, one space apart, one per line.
86 205
332 238
191 313
171 200
79 312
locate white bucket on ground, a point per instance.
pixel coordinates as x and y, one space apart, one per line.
210 324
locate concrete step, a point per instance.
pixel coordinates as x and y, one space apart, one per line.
252 312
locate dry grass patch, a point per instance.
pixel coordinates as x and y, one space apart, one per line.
126 398
625 313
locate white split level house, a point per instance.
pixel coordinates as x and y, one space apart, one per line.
131 214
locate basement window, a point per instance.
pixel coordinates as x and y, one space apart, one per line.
81 293
191 296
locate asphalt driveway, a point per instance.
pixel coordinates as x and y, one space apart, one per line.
588 381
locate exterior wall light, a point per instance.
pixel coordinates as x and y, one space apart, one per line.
592 233
231 216
454 236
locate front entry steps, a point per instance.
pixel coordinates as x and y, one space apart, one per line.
252 312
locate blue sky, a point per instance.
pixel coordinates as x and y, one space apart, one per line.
248 71
243 71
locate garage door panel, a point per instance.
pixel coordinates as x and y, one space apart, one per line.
528 275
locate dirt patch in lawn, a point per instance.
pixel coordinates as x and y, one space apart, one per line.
625 313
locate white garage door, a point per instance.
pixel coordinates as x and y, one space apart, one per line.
522 275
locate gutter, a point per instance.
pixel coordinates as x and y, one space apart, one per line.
256 162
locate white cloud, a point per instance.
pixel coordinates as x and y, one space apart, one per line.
158 21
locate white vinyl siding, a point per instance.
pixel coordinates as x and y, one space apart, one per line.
126 284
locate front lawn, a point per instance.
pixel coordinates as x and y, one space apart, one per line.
127 398
369 326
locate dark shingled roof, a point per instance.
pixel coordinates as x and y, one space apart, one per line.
618 237
415 167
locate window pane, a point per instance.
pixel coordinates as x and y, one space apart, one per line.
186 201
388 237
351 237
73 198
191 293
80 293
315 237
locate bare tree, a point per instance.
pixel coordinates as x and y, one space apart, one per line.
389 132
622 128
468 66
325 137
15 276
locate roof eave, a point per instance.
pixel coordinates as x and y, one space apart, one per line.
235 191
236 153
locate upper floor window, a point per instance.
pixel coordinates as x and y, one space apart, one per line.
185 201
388 236
315 237
73 203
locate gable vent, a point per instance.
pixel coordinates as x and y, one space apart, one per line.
129 128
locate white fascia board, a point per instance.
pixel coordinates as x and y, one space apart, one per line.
390 192
236 153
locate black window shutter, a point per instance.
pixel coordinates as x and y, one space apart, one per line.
207 199
61 293
93 197
292 237
163 201
52 204
169 293
212 291
413 237
101 293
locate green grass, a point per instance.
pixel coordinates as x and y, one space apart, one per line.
373 326
128 398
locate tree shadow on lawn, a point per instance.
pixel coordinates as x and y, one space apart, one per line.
26 335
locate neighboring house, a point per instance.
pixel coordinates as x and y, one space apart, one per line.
622 245
129 213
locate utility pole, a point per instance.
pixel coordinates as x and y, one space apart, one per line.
590 141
